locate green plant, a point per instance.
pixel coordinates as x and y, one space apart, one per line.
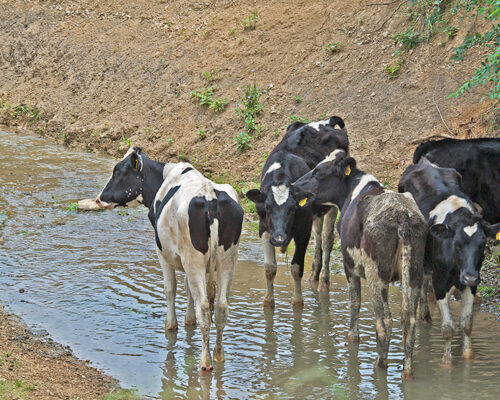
487 291
409 38
276 132
243 141
126 141
205 97
211 76
488 74
294 118
202 134
20 109
121 394
72 207
394 68
251 21
297 99
451 31
248 110
335 47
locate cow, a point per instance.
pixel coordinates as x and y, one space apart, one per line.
197 227
455 245
382 237
477 161
282 218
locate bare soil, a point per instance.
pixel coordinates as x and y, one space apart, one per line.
42 368
103 75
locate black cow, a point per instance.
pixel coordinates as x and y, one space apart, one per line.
282 217
477 161
382 236
197 225
455 245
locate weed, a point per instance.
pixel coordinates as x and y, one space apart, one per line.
487 291
205 97
126 141
251 21
212 76
248 111
243 141
409 38
295 118
182 157
170 141
16 389
335 47
297 99
394 68
20 109
206 34
451 31
202 134
276 132
71 207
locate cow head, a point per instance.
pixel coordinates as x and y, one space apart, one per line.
277 209
126 183
326 184
462 244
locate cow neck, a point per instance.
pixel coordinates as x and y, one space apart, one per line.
152 174
352 182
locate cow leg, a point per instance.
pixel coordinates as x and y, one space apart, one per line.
317 260
271 267
190 314
197 285
354 305
328 236
169 288
423 306
379 291
224 280
466 322
408 324
297 267
447 327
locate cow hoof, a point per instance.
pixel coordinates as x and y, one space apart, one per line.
353 338
219 357
171 327
406 376
206 370
468 354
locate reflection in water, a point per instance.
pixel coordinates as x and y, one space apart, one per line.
92 280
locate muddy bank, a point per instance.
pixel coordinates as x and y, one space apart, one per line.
102 75
35 367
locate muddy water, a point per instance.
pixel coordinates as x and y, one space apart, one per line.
92 281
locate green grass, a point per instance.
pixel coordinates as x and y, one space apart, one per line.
487 291
251 21
71 207
205 96
16 389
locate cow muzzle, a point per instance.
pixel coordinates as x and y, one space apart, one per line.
279 240
103 204
469 279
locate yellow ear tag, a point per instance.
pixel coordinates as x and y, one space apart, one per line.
136 163
498 236
303 202
348 170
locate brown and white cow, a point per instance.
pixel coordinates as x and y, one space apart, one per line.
197 225
382 237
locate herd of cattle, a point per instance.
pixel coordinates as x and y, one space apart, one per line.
433 231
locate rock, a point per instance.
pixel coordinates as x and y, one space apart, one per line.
88 205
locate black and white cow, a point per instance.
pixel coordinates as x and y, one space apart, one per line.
282 217
382 236
455 245
197 226
477 161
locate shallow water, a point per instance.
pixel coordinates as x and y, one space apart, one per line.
93 282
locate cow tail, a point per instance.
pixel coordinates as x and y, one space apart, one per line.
404 251
211 284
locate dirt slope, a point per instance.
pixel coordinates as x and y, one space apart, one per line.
108 73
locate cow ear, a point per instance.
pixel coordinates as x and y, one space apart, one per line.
492 231
256 196
302 197
441 231
347 166
136 161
